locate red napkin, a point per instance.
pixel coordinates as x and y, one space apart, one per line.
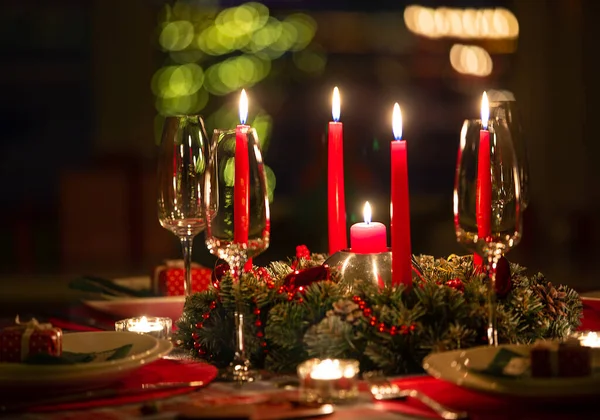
163 370
487 406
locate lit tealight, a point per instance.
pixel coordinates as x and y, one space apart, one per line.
154 326
328 380
590 339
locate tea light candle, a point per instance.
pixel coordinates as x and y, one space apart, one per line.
589 339
328 380
154 326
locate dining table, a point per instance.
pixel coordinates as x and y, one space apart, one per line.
197 392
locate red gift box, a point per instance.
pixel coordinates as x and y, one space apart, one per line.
19 342
169 279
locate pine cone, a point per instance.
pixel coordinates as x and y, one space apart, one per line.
552 298
347 310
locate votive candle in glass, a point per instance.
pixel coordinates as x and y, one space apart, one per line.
329 380
155 326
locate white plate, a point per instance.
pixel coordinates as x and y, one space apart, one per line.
451 366
145 349
168 306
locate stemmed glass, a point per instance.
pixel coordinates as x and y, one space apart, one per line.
236 232
503 209
181 167
503 106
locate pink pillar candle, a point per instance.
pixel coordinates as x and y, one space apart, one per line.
368 237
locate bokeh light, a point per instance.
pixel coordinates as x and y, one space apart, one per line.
176 36
498 23
471 60
215 52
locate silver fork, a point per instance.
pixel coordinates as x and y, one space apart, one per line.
383 390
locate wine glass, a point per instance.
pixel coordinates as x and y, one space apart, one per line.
181 167
503 106
487 204
238 220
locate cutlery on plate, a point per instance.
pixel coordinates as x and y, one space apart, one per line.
95 394
383 390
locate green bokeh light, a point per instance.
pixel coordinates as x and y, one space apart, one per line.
310 60
176 36
305 29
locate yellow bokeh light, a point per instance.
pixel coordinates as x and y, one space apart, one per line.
176 36
471 60
426 22
496 23
410 18
442 25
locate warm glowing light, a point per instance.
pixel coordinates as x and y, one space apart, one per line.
463 134
590 339
367 212
497 23
243 107
471 60
335 104
485 111
397 122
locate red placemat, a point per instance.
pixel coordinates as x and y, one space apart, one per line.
163 370
487 406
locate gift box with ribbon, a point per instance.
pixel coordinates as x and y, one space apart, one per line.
169 278
23 340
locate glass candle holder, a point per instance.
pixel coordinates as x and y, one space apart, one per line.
590 339
154 326
329 380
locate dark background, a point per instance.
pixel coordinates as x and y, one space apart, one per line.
77 118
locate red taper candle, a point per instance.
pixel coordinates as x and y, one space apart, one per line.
400 207
241 188
484 179
336 204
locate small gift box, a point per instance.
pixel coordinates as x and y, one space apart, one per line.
169 278
23 340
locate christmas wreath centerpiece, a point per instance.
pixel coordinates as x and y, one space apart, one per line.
302 308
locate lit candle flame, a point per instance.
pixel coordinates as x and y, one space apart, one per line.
243 107
397 122
335 104
367 212
485 111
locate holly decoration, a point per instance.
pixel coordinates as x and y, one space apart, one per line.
300 308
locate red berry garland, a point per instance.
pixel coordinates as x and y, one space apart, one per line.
381 326
456 284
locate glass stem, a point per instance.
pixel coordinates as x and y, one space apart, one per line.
240 358
492 330
186 246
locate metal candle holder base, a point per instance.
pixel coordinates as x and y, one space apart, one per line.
374 268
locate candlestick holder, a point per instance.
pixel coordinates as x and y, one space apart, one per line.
375 268
156 327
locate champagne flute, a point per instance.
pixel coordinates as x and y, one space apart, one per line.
181 166
236 232
494 227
